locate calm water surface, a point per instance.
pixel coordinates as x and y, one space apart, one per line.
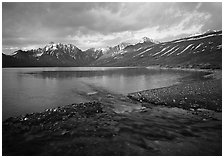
26 90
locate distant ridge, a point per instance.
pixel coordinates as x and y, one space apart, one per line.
200 51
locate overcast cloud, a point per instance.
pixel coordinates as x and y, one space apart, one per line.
86 25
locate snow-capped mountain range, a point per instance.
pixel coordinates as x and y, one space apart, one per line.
201 51
194 50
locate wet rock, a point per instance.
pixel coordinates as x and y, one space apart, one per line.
64 132
188 133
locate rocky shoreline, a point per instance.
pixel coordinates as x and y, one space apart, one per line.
190 96
184 119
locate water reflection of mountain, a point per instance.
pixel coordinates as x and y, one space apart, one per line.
113 72
95 73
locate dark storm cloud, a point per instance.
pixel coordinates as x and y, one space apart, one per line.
87 25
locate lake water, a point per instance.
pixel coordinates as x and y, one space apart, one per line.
27 90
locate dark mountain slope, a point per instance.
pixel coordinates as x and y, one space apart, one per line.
51 55
23 61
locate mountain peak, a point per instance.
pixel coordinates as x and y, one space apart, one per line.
123 45
147 39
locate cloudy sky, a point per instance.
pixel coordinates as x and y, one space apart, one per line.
86 25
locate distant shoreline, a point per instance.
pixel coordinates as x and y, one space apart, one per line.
149 67
215 72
